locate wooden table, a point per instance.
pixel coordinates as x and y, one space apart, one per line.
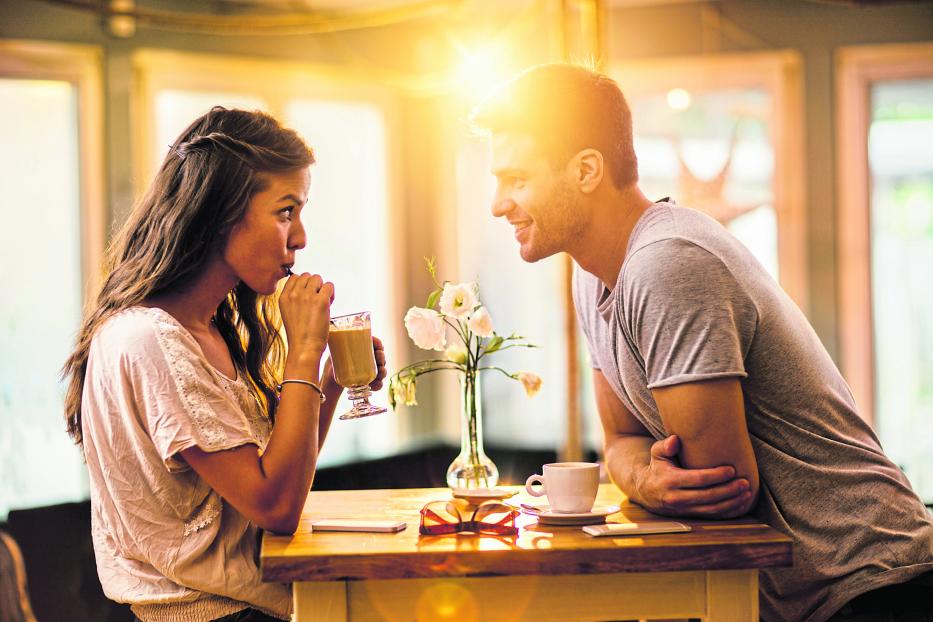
545 573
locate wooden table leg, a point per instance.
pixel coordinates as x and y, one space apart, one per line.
320 601
732 595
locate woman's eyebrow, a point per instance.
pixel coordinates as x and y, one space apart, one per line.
291 197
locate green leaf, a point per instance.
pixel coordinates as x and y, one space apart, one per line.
433 298
391 394
493 344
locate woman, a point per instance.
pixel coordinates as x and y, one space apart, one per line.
173 382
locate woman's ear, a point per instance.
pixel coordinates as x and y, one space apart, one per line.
588 169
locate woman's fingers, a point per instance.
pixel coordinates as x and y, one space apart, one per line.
305 306
380 356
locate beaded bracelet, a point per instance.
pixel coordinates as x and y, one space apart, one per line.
313 385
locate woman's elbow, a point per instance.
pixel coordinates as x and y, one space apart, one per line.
277 513
280 520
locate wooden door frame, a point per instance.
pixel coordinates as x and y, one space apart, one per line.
857 68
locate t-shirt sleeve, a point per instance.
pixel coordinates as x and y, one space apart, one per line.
178 395
689 318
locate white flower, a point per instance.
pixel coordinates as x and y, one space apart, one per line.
458 300
403 392
456 353
531 382
426 328
480 322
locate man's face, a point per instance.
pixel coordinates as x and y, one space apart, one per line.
537 199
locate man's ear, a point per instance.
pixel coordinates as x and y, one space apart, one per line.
588 169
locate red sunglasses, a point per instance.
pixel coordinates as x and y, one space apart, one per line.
446 517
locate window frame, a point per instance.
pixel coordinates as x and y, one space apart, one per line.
780 74
80 65
857 68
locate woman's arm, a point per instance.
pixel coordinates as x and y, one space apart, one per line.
270 489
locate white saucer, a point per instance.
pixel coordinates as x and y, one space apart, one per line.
546 517
478 495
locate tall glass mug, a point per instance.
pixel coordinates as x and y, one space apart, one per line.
351 350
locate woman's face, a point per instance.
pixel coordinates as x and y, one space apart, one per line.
261 247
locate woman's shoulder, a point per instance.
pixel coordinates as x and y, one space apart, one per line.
138 329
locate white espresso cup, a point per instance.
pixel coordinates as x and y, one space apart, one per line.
570 486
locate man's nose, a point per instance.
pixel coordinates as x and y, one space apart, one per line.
502 206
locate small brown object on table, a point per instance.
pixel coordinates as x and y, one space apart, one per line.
544 573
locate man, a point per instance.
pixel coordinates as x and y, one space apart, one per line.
716 396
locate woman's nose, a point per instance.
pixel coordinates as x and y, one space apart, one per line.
297 239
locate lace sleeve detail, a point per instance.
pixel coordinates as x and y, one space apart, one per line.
182 400
190 385
204 515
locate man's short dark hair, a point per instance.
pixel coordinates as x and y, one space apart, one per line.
566 108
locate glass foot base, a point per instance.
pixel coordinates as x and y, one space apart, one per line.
360 411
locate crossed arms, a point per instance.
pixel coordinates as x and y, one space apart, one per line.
705 468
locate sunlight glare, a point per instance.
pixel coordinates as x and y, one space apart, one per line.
479 71
678 99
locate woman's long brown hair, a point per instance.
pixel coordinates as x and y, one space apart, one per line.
200 192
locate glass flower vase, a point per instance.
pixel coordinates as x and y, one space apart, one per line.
472 468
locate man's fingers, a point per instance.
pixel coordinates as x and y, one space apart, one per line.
704 478
707 496
666 448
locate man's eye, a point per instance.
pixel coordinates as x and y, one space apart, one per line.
287 212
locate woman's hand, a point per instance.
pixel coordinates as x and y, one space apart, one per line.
305 307
379 353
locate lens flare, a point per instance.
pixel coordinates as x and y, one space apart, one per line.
447 601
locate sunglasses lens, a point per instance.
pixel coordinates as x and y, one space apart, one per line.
440 517
496 518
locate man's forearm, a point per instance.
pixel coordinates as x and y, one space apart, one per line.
626 457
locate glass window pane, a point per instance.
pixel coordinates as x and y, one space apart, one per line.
901 164
711 150
175 110
523 298
40 309
346 220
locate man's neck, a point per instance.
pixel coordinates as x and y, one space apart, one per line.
602 247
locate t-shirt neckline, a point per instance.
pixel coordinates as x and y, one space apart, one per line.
175 321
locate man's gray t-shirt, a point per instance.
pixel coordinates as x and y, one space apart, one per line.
691 303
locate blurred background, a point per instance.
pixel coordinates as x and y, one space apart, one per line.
805 126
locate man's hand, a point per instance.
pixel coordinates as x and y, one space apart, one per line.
664 487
